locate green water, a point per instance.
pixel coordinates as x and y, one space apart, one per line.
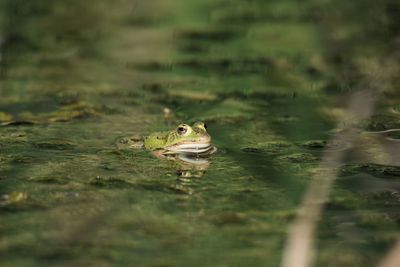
266 76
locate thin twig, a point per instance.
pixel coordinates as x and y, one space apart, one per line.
392 259
299 249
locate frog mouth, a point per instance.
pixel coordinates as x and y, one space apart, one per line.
191 148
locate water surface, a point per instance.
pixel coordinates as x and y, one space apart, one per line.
267 79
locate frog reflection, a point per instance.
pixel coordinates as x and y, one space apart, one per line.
189 165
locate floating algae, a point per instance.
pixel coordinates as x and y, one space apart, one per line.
5 118
63 114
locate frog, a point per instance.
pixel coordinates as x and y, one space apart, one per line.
184 139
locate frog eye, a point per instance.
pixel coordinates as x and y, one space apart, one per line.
181 130
205 126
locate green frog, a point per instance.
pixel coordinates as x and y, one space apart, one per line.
184 139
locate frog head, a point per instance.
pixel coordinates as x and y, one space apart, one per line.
183 139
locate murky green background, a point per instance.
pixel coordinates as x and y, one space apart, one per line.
270 78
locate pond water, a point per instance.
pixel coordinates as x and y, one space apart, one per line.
266 77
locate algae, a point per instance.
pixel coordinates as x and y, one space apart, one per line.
270 78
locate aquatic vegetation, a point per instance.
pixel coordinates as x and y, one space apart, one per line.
314 144
63 114
374 169
324 145
12 198
396 109
220 35
270 78
109 182
299 158
57 144
193 95
382 122
270 148
5 118
228 111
